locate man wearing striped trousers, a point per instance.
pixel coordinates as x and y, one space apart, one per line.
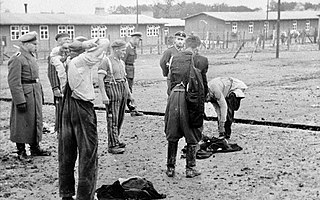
115 92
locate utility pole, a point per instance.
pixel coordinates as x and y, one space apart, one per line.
137 23
278 29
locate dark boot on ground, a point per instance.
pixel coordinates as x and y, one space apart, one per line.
116 150
22 153
136 113
191 170
37 151
171 158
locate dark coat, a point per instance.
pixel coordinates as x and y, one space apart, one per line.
167 54
202 63
25 127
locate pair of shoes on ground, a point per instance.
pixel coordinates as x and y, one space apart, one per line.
190 172
22 156
117 149
136 113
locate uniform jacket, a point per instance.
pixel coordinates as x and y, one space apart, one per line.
129 59
164 61
202 63
25 127
181 74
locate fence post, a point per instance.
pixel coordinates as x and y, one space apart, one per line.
223 39
243 36
158 44
141 47
227 42
264 38
1 53
288 40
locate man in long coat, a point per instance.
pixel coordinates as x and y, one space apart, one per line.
26 91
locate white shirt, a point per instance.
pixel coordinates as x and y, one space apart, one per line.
80 75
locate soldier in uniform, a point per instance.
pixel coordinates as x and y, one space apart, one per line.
129 59
178 45
176 116
115 92
25 87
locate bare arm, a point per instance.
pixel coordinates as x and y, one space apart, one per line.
104 96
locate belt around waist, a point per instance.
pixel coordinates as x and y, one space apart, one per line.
116 81
129 64
29 81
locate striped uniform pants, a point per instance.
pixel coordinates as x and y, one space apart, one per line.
117 94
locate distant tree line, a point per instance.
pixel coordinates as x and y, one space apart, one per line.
170 9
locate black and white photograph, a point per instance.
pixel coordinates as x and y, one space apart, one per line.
160 99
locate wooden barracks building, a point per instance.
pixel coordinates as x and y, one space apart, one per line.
47 25
250 24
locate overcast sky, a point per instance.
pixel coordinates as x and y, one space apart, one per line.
87 6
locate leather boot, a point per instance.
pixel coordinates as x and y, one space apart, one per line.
191 161
171 158
37 151
22 153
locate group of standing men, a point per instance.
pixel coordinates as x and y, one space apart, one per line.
70 74
225 94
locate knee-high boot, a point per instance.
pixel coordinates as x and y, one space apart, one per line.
171 158
191 161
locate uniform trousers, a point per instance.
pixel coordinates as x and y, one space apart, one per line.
176 118
117 94
78 134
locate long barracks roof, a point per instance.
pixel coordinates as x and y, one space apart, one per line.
260 16
73 19
170 22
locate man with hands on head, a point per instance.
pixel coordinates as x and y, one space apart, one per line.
78 133
115 92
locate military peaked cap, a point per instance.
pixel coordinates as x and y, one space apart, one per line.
28 37
138 34
180 34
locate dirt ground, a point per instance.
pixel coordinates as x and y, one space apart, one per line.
275 163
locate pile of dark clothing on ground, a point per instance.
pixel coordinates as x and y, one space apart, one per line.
209 146
134 188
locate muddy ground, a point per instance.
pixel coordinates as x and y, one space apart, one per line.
275 163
